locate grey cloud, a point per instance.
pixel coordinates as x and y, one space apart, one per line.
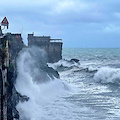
68 20
79 11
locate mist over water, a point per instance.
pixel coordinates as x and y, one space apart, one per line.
86 91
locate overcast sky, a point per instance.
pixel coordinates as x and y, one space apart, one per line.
80 23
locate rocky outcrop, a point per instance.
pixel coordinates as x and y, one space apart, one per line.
74 60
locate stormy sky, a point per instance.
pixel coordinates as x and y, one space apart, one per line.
80 23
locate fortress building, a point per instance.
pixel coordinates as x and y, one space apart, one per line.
53 47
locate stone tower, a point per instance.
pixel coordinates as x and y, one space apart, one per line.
53 47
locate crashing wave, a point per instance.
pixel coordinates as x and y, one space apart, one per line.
65 64
34 80
108 75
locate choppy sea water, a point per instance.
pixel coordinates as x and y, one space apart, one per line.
88 90
98 81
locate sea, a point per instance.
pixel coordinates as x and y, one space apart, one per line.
87 90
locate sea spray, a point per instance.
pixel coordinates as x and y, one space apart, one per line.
35 83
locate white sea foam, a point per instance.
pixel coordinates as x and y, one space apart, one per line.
107 75
91 69
56 100
63 63
45 100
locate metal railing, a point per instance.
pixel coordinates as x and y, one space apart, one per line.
55 40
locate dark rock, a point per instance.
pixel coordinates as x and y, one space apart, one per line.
51 72
22 98
74 60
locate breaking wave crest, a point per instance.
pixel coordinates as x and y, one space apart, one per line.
41 94
64 64
108 75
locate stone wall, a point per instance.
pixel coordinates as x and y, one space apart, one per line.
55 52
41 39
53 49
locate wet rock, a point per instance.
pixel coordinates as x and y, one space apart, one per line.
74 60
51 72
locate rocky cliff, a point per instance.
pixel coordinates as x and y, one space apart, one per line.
13 97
